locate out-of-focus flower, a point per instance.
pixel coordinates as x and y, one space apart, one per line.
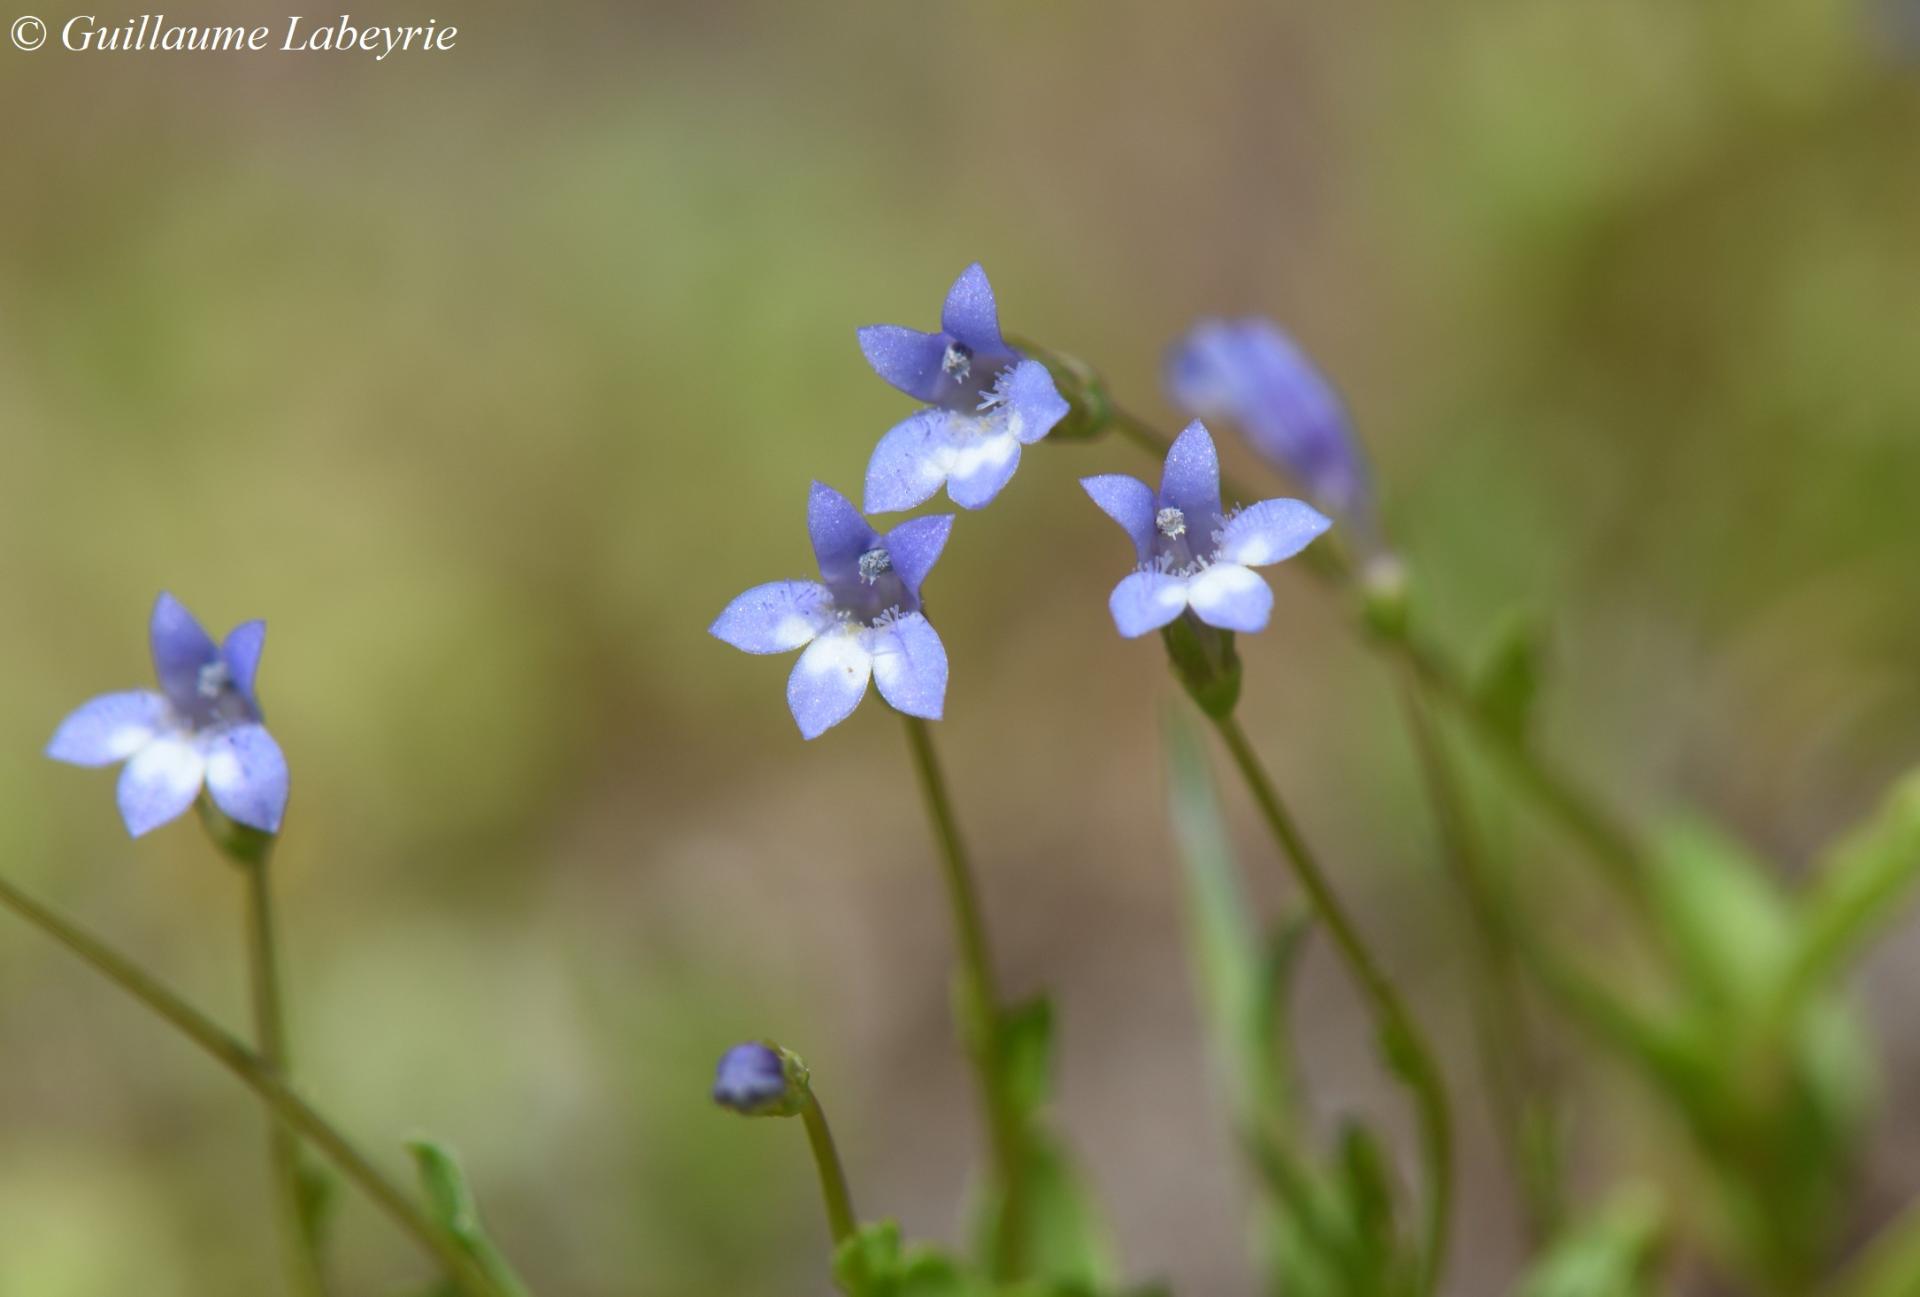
202 729
1249 371
1192 555
860 621
752 1080
984 402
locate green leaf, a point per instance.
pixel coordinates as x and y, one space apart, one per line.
1368 1181
1026 1054
873 1263
450 1200
1507 683
1861 882
1612 1253
1066 1239
317 1198
1727 919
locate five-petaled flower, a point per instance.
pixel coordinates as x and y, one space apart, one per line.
1249 371
1192 555
984 401
861 620
202 728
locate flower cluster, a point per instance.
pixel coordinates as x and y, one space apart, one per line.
983 401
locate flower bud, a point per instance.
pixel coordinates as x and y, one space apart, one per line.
758 1079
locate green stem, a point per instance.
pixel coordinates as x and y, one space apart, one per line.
305 1274
1518 1089
833 1177
1406 1047
981 1017
1609 842
264 1081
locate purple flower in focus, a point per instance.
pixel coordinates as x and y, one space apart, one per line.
1249 371
202 728
861 620
1192 554
984 402
750 1079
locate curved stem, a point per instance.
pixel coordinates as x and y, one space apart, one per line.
1407 1049
305 1275
981 1018
833 1177
1518 1090
288 1106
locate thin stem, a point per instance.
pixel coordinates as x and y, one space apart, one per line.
981 1020
304 1270
288 1106
1518 1089
1405 1045
1604 836
833 1177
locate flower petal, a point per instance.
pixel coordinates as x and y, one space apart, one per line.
775 618
909 464
241 652
109 728
1270 531
829 680
915 546
160 782
840 534
1032 402
1129 502
1231 597
1147 601
907 358
1191 480
247 776
979 466
969 314
1251 371
180 650
910 666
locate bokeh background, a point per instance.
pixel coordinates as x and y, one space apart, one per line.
487 377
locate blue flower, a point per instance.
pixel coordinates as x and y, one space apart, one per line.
861 620
984 401
202 728
1193 555
751 1079
1249 371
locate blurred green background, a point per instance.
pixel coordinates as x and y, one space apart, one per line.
488 377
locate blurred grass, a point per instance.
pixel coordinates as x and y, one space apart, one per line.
487 380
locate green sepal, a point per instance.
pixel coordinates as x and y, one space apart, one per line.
1089 408
1206 664
240 843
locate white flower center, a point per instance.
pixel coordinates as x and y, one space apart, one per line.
873 564
1171 522
957 363
214 680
